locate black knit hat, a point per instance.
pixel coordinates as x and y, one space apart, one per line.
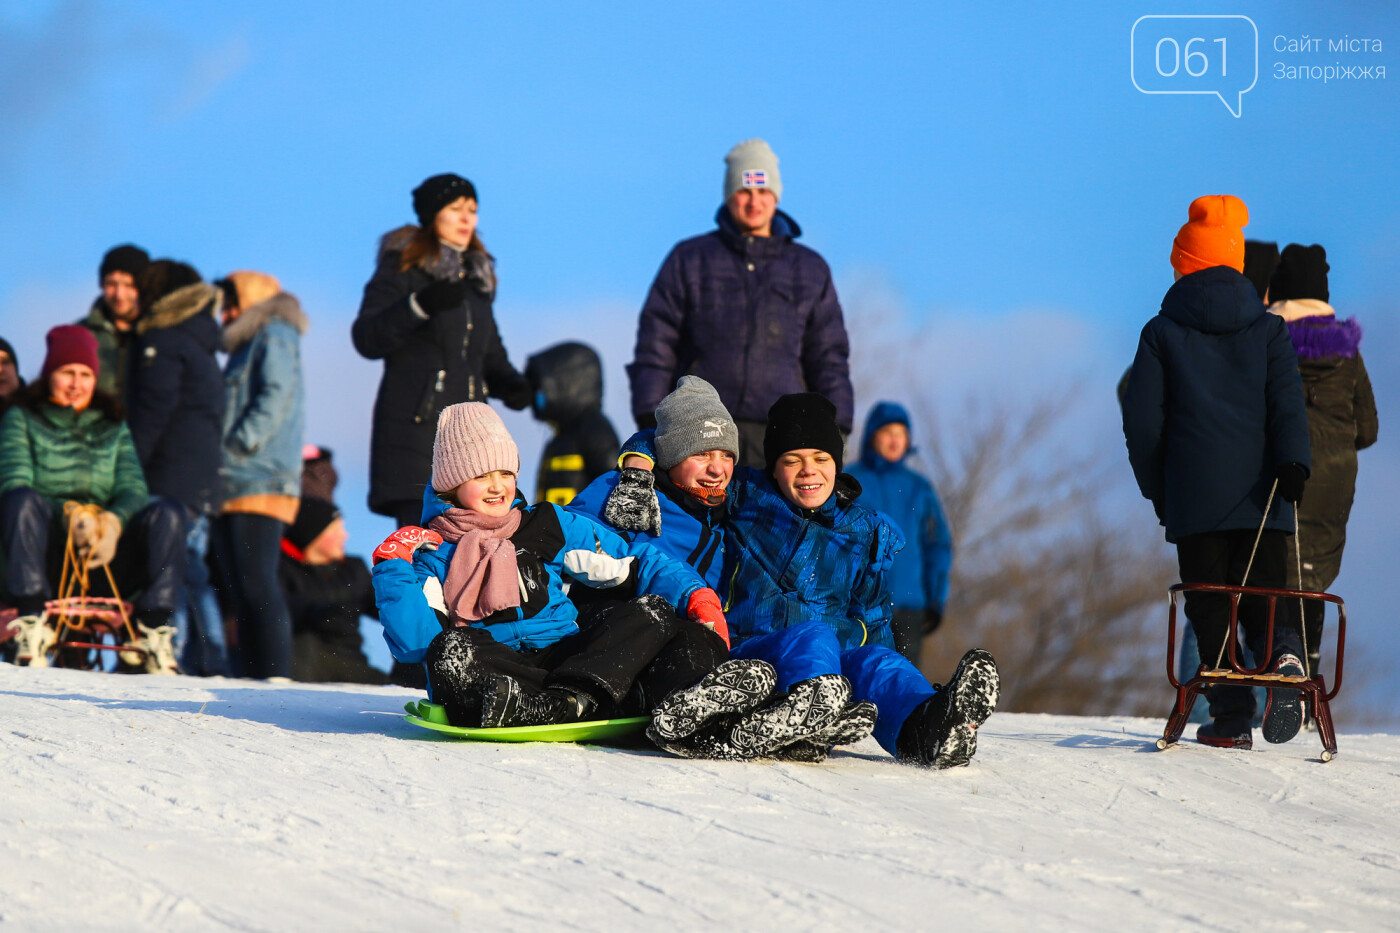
313 517
801 421
1301 273
127 258
1260 261
436 193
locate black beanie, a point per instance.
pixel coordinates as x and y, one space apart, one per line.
127 258
436 193
313 517
1260 261
1301 273
801 421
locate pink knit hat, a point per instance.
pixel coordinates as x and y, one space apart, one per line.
471 441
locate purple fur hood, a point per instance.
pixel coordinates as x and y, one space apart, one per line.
1322 336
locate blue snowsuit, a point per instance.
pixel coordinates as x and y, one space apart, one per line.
919 579
551 544
808 592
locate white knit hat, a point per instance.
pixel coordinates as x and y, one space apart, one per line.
752 164
471 441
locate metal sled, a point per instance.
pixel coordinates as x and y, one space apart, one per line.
1313 688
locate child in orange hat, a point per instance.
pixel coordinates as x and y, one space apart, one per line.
1218 439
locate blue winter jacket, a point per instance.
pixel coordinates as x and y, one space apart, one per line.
265 411
554 548
919 579
690 531
1214 406
756 317
830 564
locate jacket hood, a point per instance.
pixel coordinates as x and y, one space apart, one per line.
783 225
244 327
882 414
1316 338
434 504
181 305
568 381
1217 300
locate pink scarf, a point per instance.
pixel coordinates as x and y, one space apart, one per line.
482 577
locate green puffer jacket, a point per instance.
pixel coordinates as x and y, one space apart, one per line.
85 456
1341 420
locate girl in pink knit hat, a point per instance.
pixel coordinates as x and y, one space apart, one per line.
478 596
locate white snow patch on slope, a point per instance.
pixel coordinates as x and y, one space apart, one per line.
184 804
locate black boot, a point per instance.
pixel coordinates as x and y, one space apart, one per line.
942 731
808 708
734 687
854 724
505 703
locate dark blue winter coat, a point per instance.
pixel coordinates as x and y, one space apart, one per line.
1214 406
175 398
553 546
690 530
756 317
919 578
792 566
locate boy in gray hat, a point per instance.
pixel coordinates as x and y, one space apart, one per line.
746 308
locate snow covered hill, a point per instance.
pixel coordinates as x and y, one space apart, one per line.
182 804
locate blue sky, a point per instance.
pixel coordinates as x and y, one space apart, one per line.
988 176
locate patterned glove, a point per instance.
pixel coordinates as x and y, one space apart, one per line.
632 505
402 543
704 607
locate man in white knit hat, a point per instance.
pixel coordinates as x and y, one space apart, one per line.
745 308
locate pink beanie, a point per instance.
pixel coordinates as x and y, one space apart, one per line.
471 441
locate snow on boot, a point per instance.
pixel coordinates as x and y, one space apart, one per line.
853 724
455 677
712 740
733 687
942 731
505 703
808 708
1283 710
1226 732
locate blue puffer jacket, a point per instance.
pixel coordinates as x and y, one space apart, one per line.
830 564
553 547
919 579
265 412
756 317
1214 406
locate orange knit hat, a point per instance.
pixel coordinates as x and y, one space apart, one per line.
1213 236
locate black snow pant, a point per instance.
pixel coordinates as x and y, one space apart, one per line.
626 657
1221 557
907 626
149 563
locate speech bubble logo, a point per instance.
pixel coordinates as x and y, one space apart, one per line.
1218 55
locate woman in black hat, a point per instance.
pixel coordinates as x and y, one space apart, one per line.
427 314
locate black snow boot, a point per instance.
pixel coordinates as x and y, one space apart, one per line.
808 708
852 725
942 731
733 687
1283 710
712 740
1227 732
505 703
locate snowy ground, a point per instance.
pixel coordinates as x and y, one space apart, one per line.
173 803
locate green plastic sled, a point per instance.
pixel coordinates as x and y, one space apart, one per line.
432 716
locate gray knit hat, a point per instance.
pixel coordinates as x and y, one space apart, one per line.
752 164
692 420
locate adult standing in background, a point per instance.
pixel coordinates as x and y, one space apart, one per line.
1342 418
114 313
919 577
263 423
427 314
745 308
10 380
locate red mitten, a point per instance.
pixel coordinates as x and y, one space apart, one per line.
405 541
704 607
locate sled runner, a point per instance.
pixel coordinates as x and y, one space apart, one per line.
1312 685
432 716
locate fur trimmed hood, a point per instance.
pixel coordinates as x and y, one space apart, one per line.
1316 338
181 305
1296 309
243 328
